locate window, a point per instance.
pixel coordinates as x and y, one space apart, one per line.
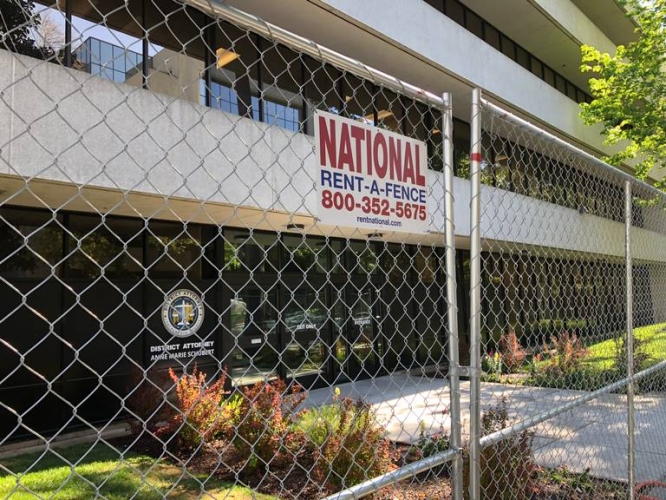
305 315
361 258
560 84
44 246
571 91
223 98
536 67
250 251
174 250
280 83
281 115
437 4
474 23
304 254
389 110
508 48
455 11
396 262
492 37
253 321
522 57
114 247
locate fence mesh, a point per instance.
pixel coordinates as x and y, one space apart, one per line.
227 270
554 317
176 319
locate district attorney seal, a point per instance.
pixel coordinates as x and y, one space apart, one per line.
182 313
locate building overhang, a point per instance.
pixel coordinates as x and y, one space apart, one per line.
611 18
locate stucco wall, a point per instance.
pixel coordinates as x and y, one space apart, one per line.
443 41
63 125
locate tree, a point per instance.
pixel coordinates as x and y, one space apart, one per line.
629 91
49 36
18 23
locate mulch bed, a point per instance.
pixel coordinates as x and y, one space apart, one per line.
292 481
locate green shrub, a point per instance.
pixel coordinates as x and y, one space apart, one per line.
621 358
429 445
347 442
492 364
318 423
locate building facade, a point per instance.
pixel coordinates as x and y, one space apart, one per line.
191 169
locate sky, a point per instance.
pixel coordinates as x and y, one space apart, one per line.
82 29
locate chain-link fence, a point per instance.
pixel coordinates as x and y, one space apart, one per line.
228 270
227 263
556 237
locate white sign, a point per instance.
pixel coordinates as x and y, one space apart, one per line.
368 177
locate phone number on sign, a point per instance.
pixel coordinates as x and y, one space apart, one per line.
372 205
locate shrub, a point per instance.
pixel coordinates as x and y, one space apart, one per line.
265 429
147 402
513 354
201 417
318 423
507 468
621 358
429 445
567 353
347 442
492 363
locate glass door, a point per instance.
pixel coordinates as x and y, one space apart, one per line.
253 330
305 333
364 347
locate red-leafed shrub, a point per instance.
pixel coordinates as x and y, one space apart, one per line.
201 415
513 354
266 416
567 353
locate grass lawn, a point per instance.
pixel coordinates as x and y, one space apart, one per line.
602 355
99 472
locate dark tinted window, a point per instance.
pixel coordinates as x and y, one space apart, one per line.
44 243
250 251
113 247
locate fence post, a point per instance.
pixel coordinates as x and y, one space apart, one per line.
475 302
451 291
630 340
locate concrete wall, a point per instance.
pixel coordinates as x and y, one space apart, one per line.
577 25
173 74
62 125
441 40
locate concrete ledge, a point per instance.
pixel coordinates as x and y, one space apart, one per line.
63 440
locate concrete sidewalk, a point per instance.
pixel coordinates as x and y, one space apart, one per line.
593 436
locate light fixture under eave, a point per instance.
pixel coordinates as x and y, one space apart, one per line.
295 226
224 57
381 115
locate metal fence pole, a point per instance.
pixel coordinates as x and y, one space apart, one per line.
475 301
451 291
630 340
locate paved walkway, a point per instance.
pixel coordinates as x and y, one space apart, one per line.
593 436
